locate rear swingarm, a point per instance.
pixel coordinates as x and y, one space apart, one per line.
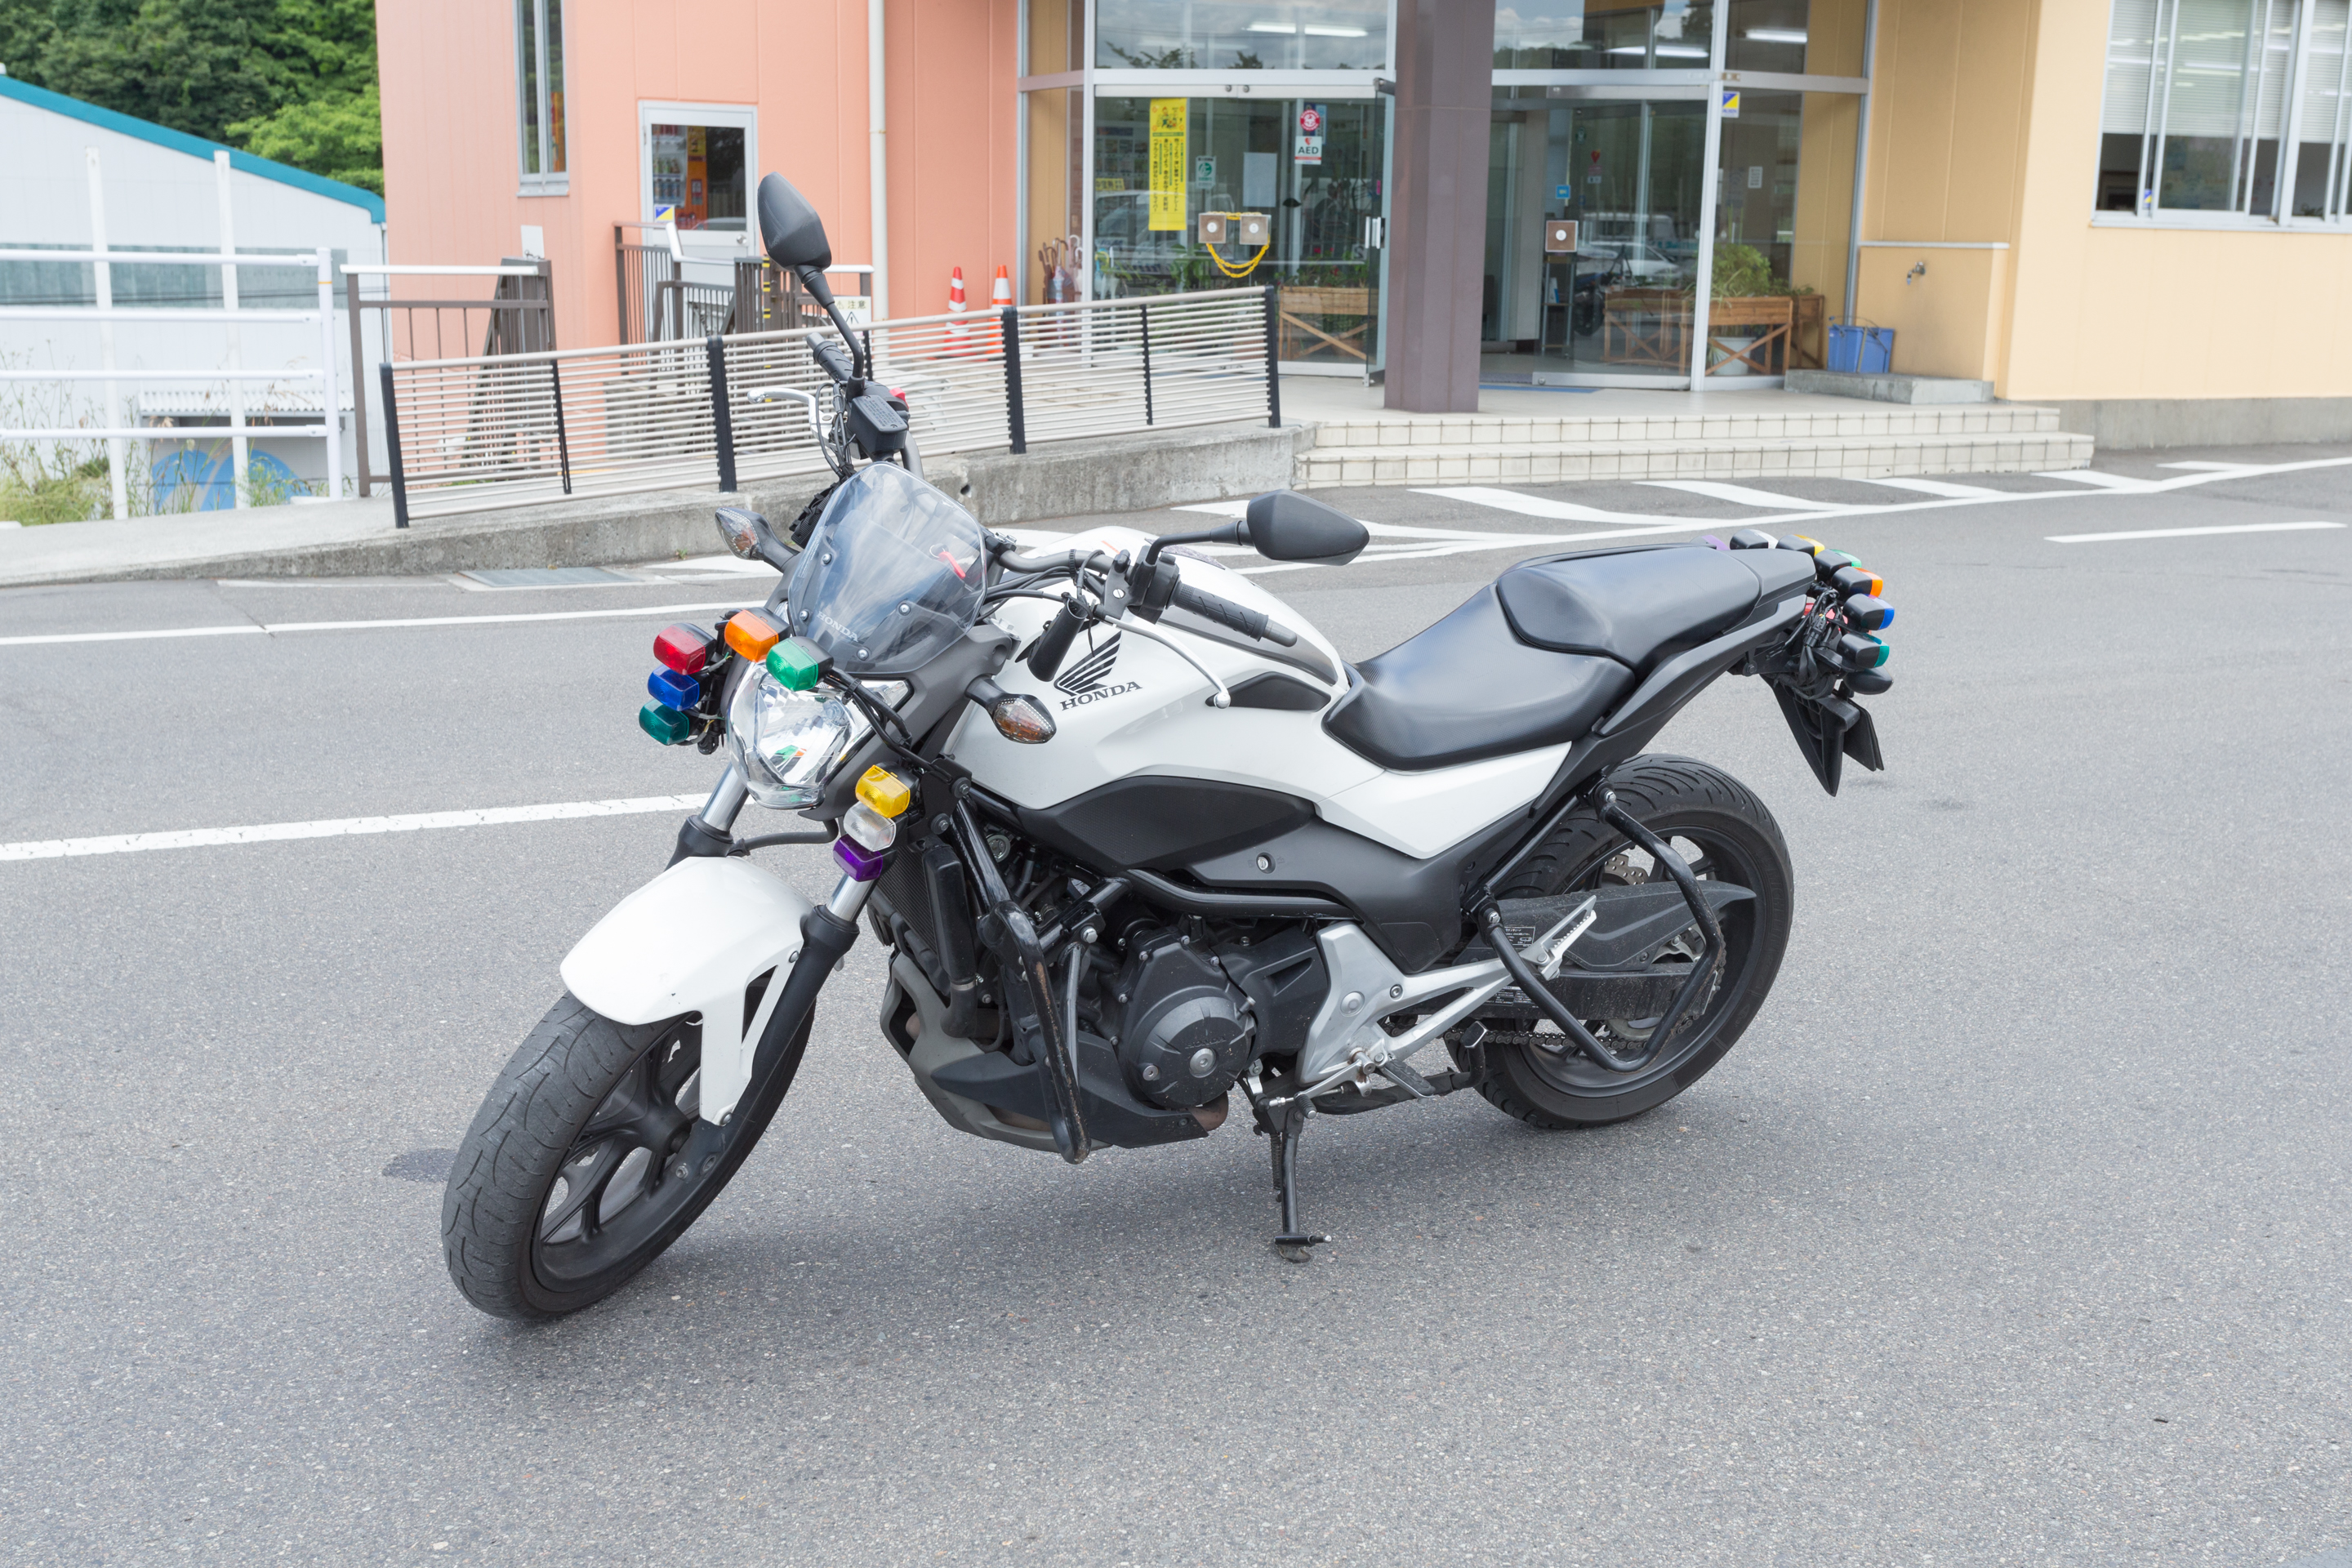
1531 983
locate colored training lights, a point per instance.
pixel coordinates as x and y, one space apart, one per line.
672 689
749 635
1859 651
795 665
686 649
666 725
885 791
1866 613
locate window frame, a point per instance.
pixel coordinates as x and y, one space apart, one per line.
534 102
2148 211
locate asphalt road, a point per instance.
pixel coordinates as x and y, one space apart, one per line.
2015 1230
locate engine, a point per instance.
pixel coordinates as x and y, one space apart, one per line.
1183 1027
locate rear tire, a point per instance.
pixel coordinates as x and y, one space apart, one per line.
605 1106
1690 805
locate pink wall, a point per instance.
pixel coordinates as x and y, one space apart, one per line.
451 178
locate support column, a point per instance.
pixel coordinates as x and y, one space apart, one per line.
1437 260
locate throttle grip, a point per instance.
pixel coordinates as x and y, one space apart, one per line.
1225 613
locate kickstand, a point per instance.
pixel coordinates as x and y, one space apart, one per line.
1283 1121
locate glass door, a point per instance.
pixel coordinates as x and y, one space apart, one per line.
1313 167
1630 174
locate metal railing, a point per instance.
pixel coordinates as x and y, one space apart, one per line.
473 435
517 318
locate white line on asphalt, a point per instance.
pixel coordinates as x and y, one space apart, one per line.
276 628
1741 494
271 832
2102 478
1940 487
2187 533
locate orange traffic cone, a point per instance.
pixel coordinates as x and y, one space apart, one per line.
1000 297
959 334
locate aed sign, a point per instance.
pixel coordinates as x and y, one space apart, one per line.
1310 148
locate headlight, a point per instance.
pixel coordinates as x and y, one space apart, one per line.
789 745
786 743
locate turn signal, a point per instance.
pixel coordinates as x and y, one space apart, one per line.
794 665
885 791
666 725
749 634
1857 580
1867 613
686 649
672 689
1022 718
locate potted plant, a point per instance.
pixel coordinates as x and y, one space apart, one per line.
1742 272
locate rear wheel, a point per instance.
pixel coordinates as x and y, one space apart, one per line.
1716 824
574 1175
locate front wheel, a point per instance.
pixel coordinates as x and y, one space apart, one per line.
1716 824
574 1175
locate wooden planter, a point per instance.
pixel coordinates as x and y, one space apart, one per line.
1646 327
1309 313
1766 320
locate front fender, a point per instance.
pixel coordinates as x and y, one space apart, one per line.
694 940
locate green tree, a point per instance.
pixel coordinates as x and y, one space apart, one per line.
290 80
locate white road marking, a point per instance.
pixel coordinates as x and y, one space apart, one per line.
2216 468
2103 479
1552 510
1742 495
1940 487
265 833
2188 532
274 628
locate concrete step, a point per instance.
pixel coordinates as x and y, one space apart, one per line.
1804 457
1860 419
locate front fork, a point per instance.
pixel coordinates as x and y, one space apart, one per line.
827 932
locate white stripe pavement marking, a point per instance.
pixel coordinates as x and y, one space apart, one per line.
2103 479
2188 532
1741 494
202 838
279 627
1940 487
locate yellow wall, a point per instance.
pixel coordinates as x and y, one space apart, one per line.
1984 127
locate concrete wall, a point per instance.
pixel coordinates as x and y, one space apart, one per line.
1985 128
452 170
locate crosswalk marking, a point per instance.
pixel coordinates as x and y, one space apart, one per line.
1744 496
1940 487
2102 481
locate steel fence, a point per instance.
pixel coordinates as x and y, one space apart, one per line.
473 435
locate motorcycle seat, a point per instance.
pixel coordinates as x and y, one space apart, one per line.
1641 605
1543 654
1468 689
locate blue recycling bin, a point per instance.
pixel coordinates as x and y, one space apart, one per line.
1863 351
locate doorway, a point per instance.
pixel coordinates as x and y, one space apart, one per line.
1629 171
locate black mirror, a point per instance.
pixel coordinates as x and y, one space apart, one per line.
790 227
1287 526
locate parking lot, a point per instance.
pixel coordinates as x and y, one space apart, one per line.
2015 1230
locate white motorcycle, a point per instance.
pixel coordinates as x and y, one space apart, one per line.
1138 840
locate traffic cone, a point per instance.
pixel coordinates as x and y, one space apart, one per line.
1000 296
959 334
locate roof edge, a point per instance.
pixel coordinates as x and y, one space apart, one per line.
194 146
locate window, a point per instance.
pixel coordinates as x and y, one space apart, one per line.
2234 108
1242 34
1603 34
539 80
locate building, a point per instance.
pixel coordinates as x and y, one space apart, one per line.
161 190
2075 200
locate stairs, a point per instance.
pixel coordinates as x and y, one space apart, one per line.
1872 441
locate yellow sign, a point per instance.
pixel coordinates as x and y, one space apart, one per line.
1168 164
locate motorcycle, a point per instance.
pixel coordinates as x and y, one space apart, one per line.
1137 840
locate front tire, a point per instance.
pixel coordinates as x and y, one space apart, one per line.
571 1177
1716 823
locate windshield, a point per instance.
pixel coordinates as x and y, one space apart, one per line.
892 575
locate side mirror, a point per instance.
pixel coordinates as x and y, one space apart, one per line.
1287 526
790 227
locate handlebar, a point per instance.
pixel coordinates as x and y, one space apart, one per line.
1225 613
